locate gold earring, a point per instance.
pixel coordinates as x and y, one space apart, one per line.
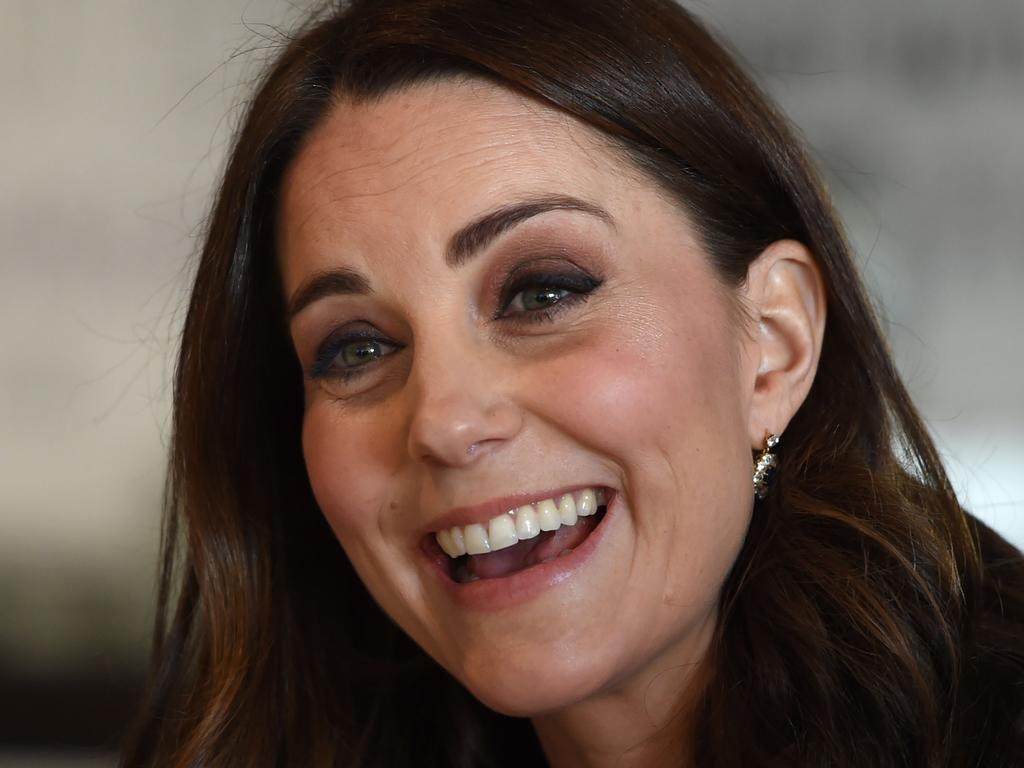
766 466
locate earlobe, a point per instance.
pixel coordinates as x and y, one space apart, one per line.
785 298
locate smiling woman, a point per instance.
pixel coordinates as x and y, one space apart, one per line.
538 310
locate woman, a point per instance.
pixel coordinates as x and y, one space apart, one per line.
539 311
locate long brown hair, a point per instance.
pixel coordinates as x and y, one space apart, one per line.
868 621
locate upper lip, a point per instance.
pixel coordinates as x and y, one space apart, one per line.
482 513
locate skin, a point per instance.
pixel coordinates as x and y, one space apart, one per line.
654 385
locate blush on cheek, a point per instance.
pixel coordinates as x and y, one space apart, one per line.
626 392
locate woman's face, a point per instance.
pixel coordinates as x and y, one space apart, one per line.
493 309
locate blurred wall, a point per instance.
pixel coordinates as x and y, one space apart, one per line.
116 115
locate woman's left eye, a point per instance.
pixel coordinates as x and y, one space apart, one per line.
540 298
537 297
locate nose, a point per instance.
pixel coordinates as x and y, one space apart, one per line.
461 410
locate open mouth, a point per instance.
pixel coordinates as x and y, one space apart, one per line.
528 536
545 547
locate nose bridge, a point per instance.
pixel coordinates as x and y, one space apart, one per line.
459 405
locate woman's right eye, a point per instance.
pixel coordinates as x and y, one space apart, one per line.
348 356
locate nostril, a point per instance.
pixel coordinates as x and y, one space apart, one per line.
473 448
458 432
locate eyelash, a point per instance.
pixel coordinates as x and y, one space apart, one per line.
577 285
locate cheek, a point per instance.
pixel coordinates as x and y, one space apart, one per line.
351 463
661 384
347 464
661 400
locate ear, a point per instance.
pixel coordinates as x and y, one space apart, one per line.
784 295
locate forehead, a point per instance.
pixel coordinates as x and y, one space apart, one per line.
410 167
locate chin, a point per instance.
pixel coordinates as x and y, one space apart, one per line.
541 689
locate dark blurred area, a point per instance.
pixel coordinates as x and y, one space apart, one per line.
83 711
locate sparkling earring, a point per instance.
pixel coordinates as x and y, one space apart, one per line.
766 466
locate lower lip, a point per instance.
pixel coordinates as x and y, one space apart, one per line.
521 587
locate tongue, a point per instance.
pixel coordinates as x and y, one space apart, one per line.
494 565
505 561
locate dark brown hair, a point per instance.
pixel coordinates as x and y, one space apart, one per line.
868 621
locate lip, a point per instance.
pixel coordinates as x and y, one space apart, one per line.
503 593
483 513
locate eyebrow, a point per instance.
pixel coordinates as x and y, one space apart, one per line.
481 232
333 282
463 245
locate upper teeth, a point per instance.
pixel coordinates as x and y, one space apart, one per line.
520 523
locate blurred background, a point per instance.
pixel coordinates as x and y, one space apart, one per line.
116 116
